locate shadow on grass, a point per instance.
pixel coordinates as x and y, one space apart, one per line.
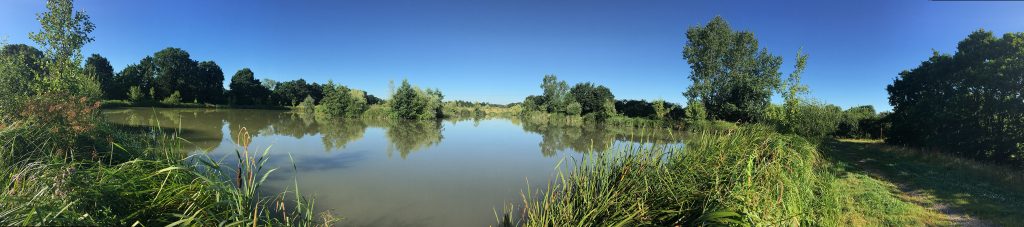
991 193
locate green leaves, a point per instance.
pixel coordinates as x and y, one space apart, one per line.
969 104
731 76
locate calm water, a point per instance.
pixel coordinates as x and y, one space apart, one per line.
392 173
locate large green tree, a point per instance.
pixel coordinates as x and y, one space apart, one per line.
410 102
594 99
64 32
970 103
98 67
556 94
732 76
141 75
246 89
210 82
176 71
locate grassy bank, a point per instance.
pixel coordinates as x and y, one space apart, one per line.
953 185
750 175
112 176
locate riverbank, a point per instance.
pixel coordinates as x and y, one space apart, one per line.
750 175
107 175
968 192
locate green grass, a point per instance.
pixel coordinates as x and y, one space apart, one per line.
989 192
116 177
746 176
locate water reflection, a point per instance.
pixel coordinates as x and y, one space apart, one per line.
383 172
203 127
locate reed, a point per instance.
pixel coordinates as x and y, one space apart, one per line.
137 177
747 176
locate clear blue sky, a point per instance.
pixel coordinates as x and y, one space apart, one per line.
498 51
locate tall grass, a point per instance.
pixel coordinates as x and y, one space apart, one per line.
747 176
114 177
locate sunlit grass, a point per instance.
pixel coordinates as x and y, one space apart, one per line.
132 179
986 191
746 176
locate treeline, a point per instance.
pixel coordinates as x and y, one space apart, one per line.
970 104
594 102
733 81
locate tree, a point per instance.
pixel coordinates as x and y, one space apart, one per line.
555 94
342 101
19 65
405 103
853 118
212 82
291 92
246 89
732 77
174 98
695 112
98 67
410 102
969 104
661 109
593 99
135 94
140 75
63 34
176 71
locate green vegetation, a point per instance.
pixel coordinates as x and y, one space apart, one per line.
937 180
747 161
592 102
750 176
410 102
968 104
63 165
743 150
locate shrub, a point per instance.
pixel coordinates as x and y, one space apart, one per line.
174 98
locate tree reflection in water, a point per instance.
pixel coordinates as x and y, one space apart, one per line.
204 128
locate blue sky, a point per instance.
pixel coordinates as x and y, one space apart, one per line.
498 51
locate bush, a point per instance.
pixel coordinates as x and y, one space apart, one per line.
340 101
746 176
410 102
174 98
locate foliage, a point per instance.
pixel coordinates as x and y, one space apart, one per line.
731 76
308 105
745 177
695 112
289 93
174 98
593 99
968 104
556 94
98 67
133 180
63 34
135 94
211 83
19 65
574 108
340 101
246 89
857 123
139 75
662 109
410 102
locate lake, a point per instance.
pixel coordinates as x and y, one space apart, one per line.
388 172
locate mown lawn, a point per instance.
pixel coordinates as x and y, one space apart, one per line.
955 186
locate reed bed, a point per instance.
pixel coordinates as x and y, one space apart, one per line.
119 177
747 176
